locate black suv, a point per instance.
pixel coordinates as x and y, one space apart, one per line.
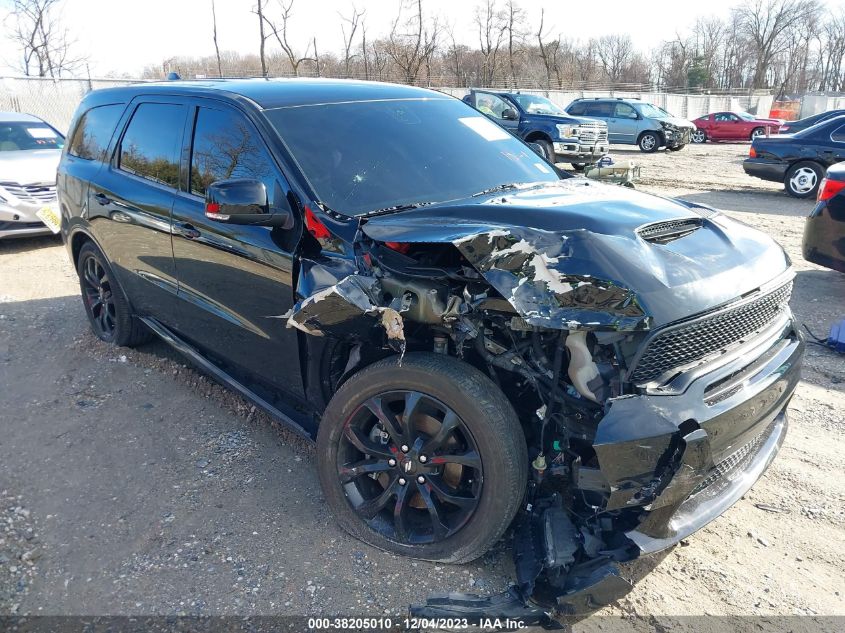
472 339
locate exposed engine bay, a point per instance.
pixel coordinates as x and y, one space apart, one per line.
619 467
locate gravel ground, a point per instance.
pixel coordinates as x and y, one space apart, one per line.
131 484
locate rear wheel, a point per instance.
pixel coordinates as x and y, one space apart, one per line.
649 142
803 178
425 459
108 311
699 136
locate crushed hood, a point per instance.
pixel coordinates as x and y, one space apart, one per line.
569 254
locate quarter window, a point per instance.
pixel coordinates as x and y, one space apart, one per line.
151 145
225 146
93 133
839 134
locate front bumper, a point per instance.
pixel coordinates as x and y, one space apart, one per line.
764 169
677 137
573 151
21 221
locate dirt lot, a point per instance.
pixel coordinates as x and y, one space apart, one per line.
130 484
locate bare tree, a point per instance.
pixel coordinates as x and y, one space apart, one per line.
281 35
411 43
214 31
548 53
768 24
492 24
259 10
614 53
514 26
46 48
349 26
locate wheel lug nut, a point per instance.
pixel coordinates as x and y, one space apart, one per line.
391 462
420 479
402 481
423 459
405 448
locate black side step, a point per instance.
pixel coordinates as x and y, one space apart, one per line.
222 377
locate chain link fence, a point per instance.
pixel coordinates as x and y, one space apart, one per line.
53 100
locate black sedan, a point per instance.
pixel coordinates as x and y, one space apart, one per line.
824 231
798 160
791 127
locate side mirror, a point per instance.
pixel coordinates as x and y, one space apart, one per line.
509 114
244 201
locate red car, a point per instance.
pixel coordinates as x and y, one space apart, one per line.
732 126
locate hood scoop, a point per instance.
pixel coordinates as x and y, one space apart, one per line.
665 232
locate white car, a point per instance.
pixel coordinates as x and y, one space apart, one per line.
29 155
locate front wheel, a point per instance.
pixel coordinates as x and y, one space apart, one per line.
803 178
676 148
699 136
425 459
757 131
649 142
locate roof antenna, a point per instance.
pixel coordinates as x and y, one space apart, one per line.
173 77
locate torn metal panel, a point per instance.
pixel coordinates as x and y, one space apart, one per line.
322 312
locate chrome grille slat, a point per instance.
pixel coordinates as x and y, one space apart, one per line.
728 468
32 193
701 337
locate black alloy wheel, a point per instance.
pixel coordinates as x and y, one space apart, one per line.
98 295
410 467
424 458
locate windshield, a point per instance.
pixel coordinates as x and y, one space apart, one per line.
538 105
745 115
21 135
650 111
373 155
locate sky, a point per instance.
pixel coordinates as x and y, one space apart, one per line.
119 36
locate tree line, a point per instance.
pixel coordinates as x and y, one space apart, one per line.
779 45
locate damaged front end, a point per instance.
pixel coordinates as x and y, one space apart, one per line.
649 404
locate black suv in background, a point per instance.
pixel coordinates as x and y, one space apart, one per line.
470 337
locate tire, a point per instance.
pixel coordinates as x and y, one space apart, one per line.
803 178
676 148
548 148
106 307
579 166
648 142
485 425
698 136
757 131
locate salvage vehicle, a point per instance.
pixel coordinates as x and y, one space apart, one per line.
29 154
474 340
791 127
635 122
732 126
798 160
824 229
535 119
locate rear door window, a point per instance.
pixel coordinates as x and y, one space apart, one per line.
93 133
601 109
152 143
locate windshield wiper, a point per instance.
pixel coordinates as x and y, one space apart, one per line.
398 207
508 187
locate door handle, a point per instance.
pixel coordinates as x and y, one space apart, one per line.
102 198
186 229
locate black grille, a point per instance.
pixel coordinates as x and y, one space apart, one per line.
665 232
687 343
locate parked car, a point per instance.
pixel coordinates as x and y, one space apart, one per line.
791 127
798 160
29 155
635 122
469 336
535 119
732 126
824 230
